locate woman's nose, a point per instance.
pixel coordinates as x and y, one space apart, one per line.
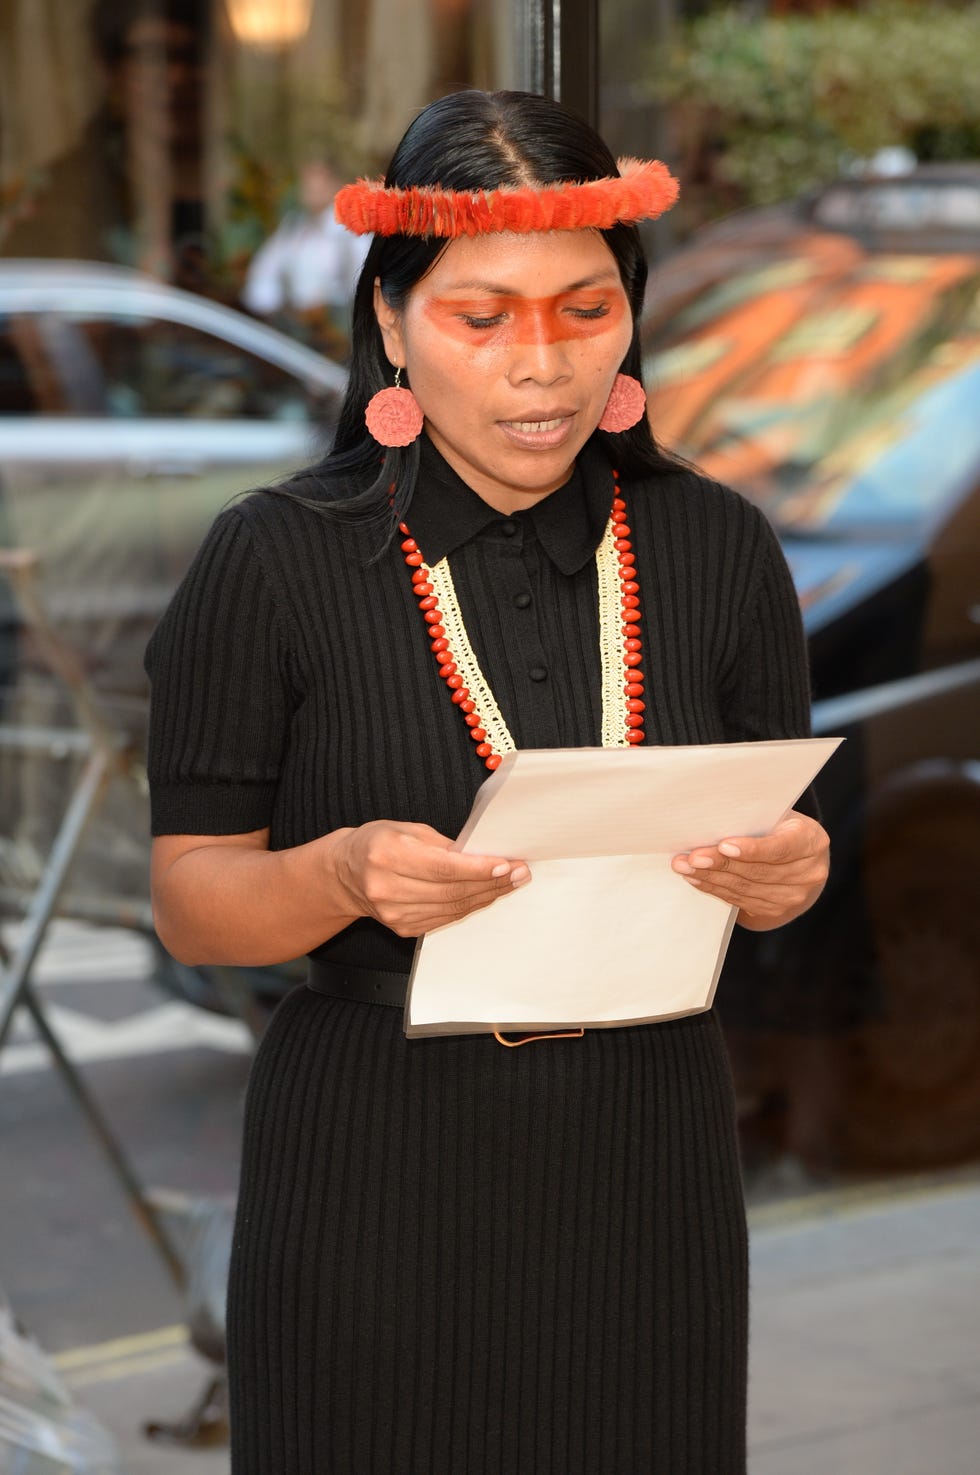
539 351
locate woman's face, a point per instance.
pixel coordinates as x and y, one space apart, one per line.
511 344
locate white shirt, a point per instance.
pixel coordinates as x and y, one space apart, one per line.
308 261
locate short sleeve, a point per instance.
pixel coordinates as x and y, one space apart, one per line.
220 694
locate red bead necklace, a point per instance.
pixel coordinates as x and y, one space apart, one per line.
628 730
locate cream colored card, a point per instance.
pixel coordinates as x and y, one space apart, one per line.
605 933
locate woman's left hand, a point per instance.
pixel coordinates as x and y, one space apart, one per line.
770 878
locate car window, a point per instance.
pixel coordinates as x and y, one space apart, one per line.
151 368
25 384
824 399
123 367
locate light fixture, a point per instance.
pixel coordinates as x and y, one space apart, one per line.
269 22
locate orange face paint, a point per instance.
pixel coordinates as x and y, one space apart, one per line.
509 319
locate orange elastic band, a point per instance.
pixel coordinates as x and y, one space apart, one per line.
557 1034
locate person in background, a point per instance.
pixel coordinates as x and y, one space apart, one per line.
304 275
130 189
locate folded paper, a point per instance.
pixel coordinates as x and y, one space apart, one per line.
605 933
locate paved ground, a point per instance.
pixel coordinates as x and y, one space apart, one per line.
865 1348
865 1356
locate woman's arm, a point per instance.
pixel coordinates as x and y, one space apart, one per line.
230 899
219 718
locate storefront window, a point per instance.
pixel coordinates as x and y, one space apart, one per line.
178 136
634 41
186 139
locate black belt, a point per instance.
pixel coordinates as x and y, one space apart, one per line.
386 986
362 985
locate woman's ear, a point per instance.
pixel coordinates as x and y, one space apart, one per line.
390 323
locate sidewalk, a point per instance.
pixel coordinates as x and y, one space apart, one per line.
865 1344
865 1352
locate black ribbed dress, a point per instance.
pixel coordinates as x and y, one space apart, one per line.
452 1258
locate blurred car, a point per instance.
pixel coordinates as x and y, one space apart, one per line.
130 413
824 358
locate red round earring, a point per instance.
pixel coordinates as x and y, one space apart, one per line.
394 416
626 404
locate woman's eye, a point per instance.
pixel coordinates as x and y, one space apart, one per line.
491 322
590 312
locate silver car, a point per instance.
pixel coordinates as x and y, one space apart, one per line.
130 412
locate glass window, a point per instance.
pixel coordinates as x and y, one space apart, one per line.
822 392
153 368
127 368
631 120
826 363
18 380
195 133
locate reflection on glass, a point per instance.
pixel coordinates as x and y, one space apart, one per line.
269 22
125 427
159 135
822 385
196 133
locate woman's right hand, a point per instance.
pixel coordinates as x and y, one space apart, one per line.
230 899
411 879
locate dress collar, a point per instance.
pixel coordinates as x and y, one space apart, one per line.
570 522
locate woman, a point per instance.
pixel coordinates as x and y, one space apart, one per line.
452 1257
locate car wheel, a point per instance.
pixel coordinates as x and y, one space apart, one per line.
912 1072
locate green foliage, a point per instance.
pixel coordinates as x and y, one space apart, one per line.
768 107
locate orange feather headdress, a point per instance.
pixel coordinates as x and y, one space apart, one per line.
642 191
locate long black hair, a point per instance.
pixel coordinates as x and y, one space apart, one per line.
471 141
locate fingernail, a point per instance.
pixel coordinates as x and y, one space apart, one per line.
727 848
702 862
682 868
500 870
692 881
519 875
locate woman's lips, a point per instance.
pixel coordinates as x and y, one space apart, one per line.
538 429
527 426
